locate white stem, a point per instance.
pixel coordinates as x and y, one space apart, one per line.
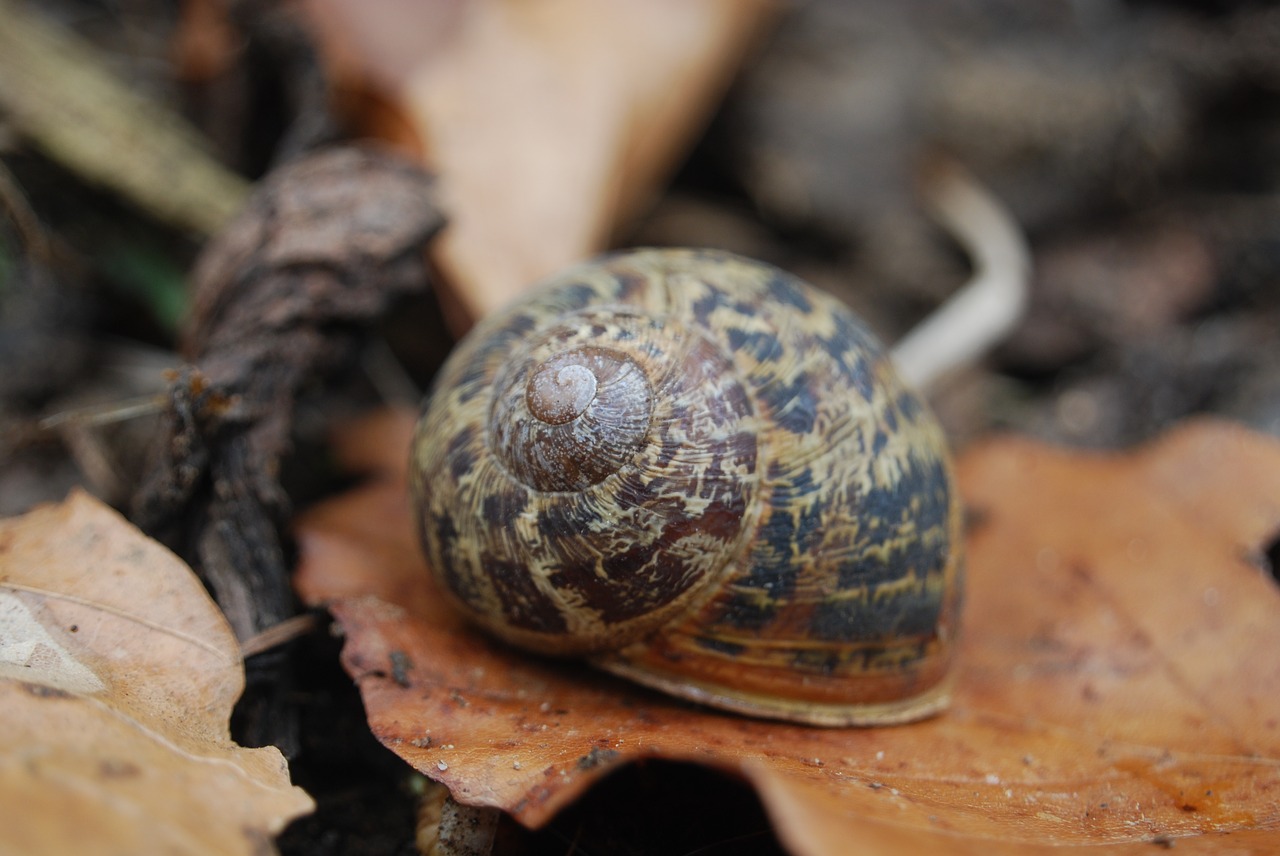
986 308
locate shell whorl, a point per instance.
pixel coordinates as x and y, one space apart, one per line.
612 475
705 475
570 413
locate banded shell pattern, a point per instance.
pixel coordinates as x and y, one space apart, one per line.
702 474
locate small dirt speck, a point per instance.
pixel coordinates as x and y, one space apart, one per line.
596 757
400 666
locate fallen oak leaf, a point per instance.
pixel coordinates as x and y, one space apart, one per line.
1100 698
548 124
117 679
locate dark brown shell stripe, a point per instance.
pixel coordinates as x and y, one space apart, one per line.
785 529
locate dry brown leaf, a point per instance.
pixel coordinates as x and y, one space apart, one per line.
549 123
117 678
1118 683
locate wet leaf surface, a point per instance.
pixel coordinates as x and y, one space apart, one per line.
1105 693
117 679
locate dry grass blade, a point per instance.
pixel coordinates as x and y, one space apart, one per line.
57 93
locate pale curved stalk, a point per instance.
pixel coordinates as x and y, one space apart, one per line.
987 307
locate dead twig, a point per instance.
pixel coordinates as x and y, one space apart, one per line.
282 298
278 634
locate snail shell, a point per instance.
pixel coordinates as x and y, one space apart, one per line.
704 475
